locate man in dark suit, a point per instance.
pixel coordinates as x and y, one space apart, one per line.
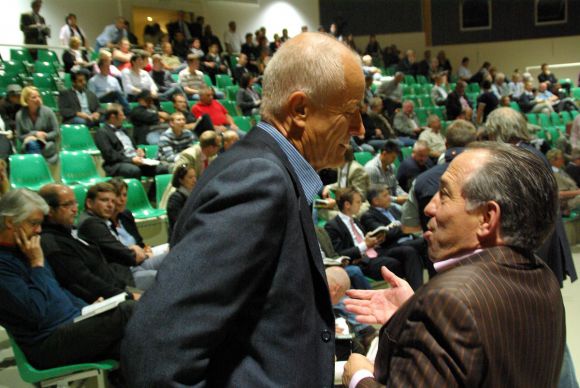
466 327
79 105
457 104
180 25
349 238
34 27
241 299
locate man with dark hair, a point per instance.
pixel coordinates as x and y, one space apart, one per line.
120 156
106 87
148 121
79 105
37 312
381 171
136 80
34 27
95 226
465 327
175 139
79 265
350 238
457 104
486 102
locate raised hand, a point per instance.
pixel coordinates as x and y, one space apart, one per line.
378 306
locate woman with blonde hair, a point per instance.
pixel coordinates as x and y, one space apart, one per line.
36 126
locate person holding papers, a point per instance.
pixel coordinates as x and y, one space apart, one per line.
349 239
34 308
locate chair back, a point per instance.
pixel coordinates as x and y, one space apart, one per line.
29 171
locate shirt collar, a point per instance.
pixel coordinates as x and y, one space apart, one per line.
444 265
309 179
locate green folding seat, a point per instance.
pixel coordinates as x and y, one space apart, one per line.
44 81
60 376
161 183
232 92
544 121
49 99
223 81
151 150
557 121
231 107
243 122
426 101
515 106
76 137
45 68
138 203
532 118
406 152
566 117
49 56
208 80
576 93
80 192
363 157
473 87
409 80
421 79
15 68
20 55
257 88
79 168
167 106
29 171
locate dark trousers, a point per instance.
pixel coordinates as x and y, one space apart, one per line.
130 170
411 267
372 267
94 339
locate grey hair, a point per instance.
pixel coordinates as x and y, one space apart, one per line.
315 68
528 199
507 125
460 133
554 154
431 119
19 204
419 144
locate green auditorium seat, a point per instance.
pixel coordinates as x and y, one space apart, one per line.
243 122
161 183
363 157
76 137
29 171
231 107
79 168
138 203
223 81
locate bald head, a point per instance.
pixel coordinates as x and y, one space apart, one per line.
338 283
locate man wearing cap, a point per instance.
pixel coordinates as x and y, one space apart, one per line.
10 105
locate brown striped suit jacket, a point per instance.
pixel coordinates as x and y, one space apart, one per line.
495 320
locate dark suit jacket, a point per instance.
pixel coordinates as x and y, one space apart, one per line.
341 238
453 105
373 218
69 104
32 34
68 60
82 268
241 298
96 230
111 148
496 320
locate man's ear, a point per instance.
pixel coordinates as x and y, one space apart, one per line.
490 224
298 107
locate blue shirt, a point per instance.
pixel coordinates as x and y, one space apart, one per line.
104 84
309 179
32 302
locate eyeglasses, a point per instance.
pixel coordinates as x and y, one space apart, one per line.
68 204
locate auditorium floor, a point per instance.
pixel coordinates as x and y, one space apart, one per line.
571 293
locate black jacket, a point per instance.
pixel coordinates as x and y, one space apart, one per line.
373 219
111 148
69 104
81 267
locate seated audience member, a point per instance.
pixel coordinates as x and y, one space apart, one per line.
78 265
463 71
124 222
379 120
382 172
530 103
229 138
392 93
207 105
500 87
106 87
95 225
383 213
458 105
486 224
568 189
198 156
183 180
369 94
433 137
438 92
487 101
516 86
191 78
414 165
241 68
247 98
120 157
213 64
148 122
546 75
71 29
408 64
573 167
345 344
112 34
372 138
10 105
357 279
459 134
544 94
37 127
149 51
136 80
166 86
75 59
108 58
36 311
406 123
197 126
349 239
122 55
79 105
195 48
485 72
170 62
175 139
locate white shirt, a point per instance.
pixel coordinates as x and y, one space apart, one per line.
362 247
234 39
141 81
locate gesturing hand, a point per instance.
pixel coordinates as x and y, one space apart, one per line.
378 306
